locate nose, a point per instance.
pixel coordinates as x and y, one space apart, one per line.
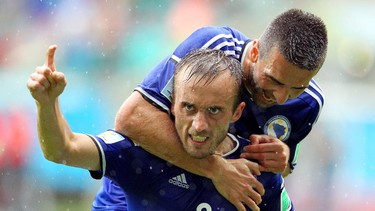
199 122
281 95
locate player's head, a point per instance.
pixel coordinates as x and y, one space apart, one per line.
206 99
287 55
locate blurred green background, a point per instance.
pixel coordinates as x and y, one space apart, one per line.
106 47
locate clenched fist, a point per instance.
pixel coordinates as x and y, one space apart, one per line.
46 84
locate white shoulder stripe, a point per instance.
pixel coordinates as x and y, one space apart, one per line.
224 44
219 36
174 57
139 89
316 97
227 52
316 87
101 151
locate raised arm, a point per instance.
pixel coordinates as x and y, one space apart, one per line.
156 133
59 144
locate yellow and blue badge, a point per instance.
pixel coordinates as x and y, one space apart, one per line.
278 127
111 137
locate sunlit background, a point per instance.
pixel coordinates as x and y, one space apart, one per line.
106 47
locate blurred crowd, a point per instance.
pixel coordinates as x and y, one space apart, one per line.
106 47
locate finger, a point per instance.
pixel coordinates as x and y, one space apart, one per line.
256 139
47 73
263 169
266 147
50 57
274 166
253 197
239 206
59 78
34 85
259 189
254 167
40 79
251 204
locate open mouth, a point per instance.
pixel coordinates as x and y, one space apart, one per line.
199 139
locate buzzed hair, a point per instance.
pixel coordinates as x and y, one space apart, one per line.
300 36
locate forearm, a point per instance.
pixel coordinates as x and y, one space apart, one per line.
155 132
58 143
53 131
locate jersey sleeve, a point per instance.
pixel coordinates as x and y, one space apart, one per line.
111 146
156 87
314 98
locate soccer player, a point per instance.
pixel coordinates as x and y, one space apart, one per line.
282 101
201 118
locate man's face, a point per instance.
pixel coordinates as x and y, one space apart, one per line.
274 80
203 112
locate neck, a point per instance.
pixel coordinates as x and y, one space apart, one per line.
226 146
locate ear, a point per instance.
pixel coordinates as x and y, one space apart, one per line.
238 112
172 105
254 51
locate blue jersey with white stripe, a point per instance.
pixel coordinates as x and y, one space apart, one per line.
290 122
157 85
151 183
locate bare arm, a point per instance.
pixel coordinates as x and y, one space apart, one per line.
156 133
59 144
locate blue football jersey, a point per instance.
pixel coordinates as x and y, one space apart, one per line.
290 122
150 183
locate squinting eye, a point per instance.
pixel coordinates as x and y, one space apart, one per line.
189 107
214 110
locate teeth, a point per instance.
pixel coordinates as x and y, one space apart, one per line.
199 138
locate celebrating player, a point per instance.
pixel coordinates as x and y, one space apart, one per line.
201 119
283 101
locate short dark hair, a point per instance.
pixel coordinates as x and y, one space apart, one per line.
208 64
300 36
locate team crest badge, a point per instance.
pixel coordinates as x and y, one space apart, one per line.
278 127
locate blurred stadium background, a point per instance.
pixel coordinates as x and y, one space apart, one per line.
105 49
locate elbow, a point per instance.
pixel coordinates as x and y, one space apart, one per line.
127 121
54 157
51 158
129 117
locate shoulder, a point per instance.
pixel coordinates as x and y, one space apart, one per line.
111 140
308 106
313 96
210 34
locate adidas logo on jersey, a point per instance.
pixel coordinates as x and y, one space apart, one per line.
179 181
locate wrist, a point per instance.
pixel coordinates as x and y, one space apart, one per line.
215 163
